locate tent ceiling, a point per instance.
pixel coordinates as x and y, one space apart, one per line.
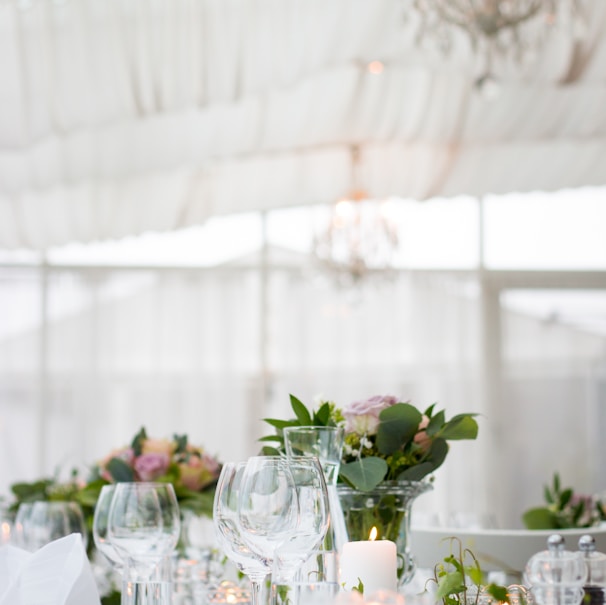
123 116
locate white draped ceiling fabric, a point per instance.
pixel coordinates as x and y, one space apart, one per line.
120 117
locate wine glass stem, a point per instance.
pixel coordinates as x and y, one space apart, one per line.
256 590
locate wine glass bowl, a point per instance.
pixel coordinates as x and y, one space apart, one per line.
39 523
100 526
229 533
312 519
268 506
143 523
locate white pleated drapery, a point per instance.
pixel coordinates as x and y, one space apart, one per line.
120 117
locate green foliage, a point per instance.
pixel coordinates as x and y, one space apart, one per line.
458 579
362 474
406 444
564 509
114 598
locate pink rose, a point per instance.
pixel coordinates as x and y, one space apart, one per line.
422 439
362 417
212 464
151 466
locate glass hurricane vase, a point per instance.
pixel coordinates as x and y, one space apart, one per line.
388 508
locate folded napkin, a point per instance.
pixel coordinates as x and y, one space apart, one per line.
57 574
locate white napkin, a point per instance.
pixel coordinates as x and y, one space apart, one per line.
57 574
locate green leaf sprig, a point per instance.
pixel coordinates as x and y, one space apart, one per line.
459 579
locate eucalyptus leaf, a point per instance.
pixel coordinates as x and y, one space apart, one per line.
417 472
462 426
540 518
398 426
364 474
438 452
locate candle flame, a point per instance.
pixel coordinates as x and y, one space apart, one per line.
373 534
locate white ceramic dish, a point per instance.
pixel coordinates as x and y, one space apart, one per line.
505 550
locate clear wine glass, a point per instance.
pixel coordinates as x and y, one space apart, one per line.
268 507
312 519
50 521
229 532
143 525
21 527
100 527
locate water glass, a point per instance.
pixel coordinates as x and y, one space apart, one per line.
326 444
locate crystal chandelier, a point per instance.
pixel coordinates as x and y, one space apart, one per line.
361 239
510 29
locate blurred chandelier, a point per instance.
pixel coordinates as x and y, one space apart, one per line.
508 28
361 239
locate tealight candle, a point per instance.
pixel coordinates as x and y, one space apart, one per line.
5 532
372 562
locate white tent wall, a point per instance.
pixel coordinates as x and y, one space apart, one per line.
180 352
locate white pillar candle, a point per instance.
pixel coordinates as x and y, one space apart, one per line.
372 562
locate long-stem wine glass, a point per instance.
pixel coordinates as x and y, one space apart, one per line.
52 520
312 520
268 509
100 527
229 532
144 526
21 527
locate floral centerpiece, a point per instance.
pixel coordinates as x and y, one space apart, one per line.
385 439
192 471
390 450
